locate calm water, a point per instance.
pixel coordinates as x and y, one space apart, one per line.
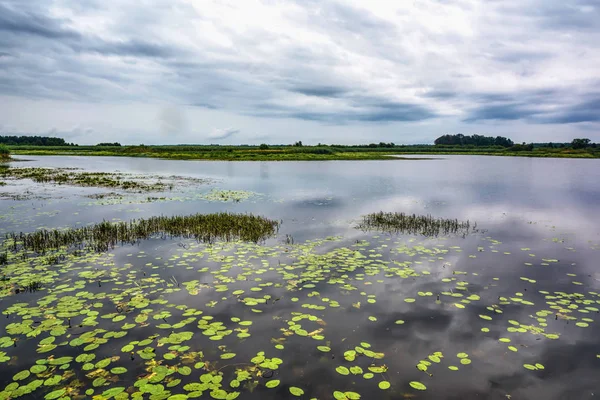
532 267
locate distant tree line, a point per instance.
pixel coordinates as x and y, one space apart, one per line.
576 144
106 144
473 140
33 141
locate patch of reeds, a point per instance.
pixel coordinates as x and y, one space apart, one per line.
426 225
105 235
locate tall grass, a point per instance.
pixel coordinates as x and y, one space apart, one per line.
105 235
414 224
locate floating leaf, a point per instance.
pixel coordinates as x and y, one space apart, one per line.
19 376
272 383
296 391
417 385
342 370
55 394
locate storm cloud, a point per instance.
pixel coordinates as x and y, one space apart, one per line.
378 70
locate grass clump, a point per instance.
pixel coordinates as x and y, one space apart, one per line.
426 225
4 152
105 235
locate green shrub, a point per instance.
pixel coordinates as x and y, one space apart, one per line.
4 151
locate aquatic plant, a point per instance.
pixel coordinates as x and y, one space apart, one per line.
426 225
105 235
65 176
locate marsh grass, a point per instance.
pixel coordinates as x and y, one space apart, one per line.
105 235
414 224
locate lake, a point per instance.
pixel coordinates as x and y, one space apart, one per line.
323 309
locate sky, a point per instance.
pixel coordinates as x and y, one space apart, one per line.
319 71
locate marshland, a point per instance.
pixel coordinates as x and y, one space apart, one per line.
418 279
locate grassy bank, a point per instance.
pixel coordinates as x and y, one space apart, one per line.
293 153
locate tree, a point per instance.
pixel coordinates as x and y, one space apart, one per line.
115 144
474 140
264 146
32 141
580 143
298 143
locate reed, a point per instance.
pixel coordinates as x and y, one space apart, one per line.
106 235
414 224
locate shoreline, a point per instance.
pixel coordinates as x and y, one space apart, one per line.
257 156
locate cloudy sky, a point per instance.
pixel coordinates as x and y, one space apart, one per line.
277 71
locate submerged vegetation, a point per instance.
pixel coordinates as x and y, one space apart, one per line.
414 224
105 235
64 176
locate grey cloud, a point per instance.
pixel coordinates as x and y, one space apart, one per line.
133 48
319 91
528 106
355 66
367 110
585 111
440 94
17 22
507 112
568 15
221 134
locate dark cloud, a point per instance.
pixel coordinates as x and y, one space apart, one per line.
506 112
319 91
221 134
18 22
568 15
527 106
585 111
375 112
440 94
132 48
328 61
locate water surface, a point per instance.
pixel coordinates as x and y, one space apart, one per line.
528 278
